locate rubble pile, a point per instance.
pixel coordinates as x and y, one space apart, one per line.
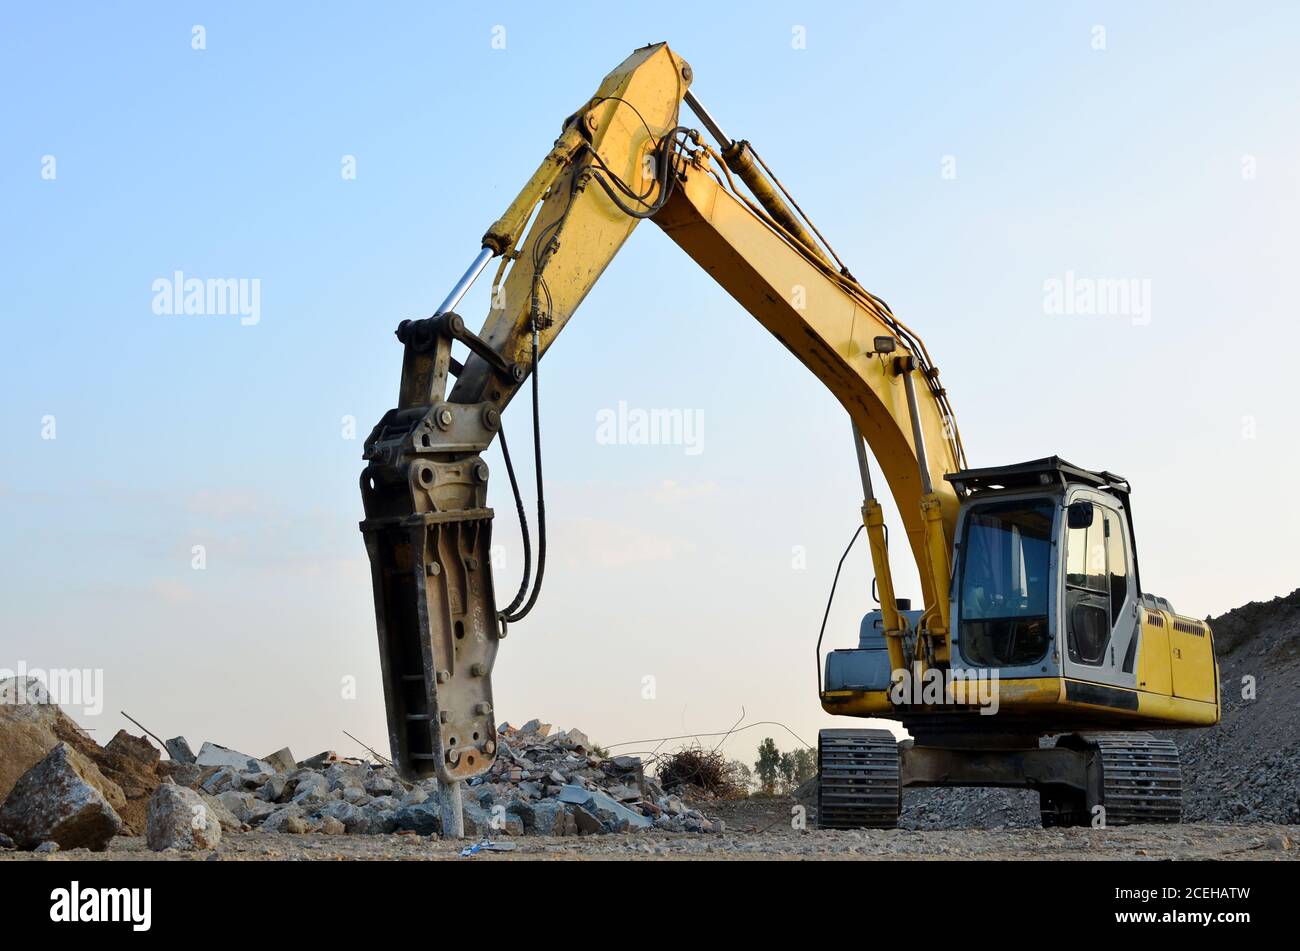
79 795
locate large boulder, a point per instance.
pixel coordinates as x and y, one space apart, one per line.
56 801
29 727
179 818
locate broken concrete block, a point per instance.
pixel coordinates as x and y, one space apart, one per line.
332 826
210 754
178 748
56 801
536 726
179 818
221 779
281 761
606 807
320 760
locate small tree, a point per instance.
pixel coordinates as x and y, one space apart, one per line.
768 767
805 766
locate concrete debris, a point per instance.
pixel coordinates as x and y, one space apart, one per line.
180 818
210 754
56 801
178 748
281 761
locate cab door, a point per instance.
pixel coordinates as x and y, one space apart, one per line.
1099 606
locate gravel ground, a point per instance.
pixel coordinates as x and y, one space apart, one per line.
1201 841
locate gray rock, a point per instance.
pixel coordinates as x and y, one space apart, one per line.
372 820
343 775
273 789
178 748
278 821
55 801
356 795
226 818
378 785
415 794
588 822
180 818
536 726
245 806
47 847
6 842
281 761
423 818
309 787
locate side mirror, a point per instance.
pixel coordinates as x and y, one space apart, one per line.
1079 515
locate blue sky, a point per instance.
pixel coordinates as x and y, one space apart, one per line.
1127 162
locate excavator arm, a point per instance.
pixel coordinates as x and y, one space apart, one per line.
626 155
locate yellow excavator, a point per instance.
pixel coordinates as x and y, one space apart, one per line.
1035 660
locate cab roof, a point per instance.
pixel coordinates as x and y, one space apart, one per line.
1052 471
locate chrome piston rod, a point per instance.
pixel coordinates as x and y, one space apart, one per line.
465 283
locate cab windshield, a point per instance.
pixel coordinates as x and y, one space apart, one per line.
1002 610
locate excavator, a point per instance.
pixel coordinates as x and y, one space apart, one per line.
1035 659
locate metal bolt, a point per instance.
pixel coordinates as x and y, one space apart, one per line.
481 471
489 747
433 568
444 418
482 708
444 676
491 418
471 564
478 670
444 716
453 757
